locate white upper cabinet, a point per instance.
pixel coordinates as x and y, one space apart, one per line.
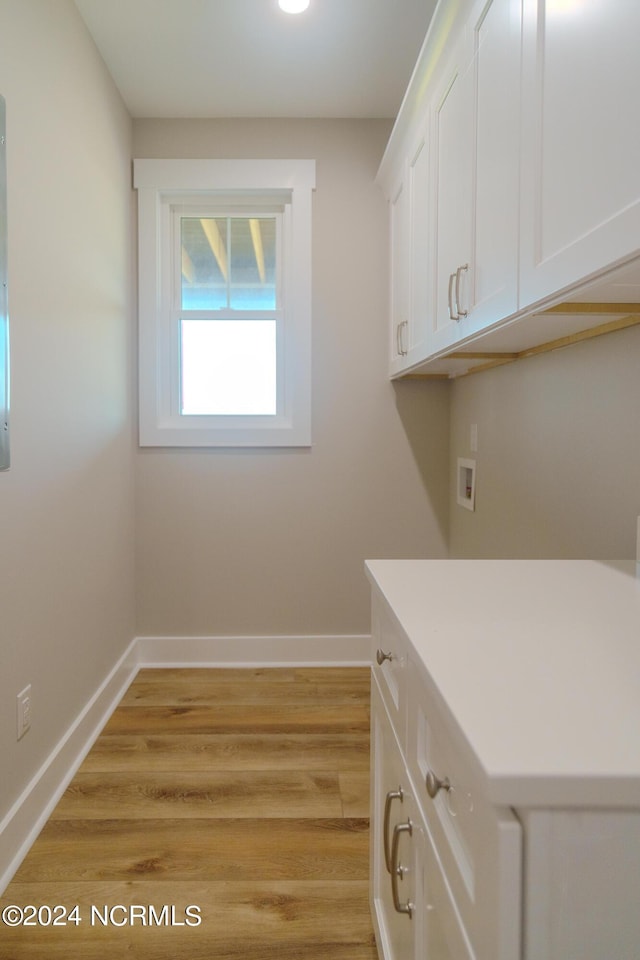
476 138
581 141
518 146
456 216
495 27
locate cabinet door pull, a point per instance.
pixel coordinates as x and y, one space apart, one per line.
400 348
402 327
459 272
391 796
397 870
452 315
381 656
435 784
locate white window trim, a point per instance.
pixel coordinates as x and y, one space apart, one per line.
161 183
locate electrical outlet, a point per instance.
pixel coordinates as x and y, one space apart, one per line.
23 715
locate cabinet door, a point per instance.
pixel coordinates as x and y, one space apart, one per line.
394 844
582 874
581 148
400 279
417 920
492 280
421 305
451 138
410 277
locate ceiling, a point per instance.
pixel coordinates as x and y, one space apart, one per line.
245 58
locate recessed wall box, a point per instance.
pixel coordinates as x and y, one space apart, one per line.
466 483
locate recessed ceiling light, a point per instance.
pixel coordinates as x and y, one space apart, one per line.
293 6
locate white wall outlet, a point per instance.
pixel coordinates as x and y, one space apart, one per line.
23 712
466 483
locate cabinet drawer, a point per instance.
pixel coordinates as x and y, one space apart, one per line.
389 656
479 845
442 934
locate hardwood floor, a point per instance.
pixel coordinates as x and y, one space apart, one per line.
243 793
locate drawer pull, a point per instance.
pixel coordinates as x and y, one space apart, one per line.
435 784
391 796
381 656
397 870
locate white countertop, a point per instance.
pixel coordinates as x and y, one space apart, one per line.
538 664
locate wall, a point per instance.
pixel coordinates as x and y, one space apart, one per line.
66 528
273 543
558 454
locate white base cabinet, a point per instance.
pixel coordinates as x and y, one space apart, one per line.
459 871
445 869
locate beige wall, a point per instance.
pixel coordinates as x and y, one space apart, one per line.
273 543
244 543
66 571
558 454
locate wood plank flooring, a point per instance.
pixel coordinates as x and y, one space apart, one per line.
241 792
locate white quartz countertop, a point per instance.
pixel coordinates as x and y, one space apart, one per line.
537 664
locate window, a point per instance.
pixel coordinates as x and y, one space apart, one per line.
224 302
227 306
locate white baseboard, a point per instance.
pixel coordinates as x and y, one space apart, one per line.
315 651
26 818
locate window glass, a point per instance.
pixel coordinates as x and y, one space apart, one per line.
228 263
228 367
